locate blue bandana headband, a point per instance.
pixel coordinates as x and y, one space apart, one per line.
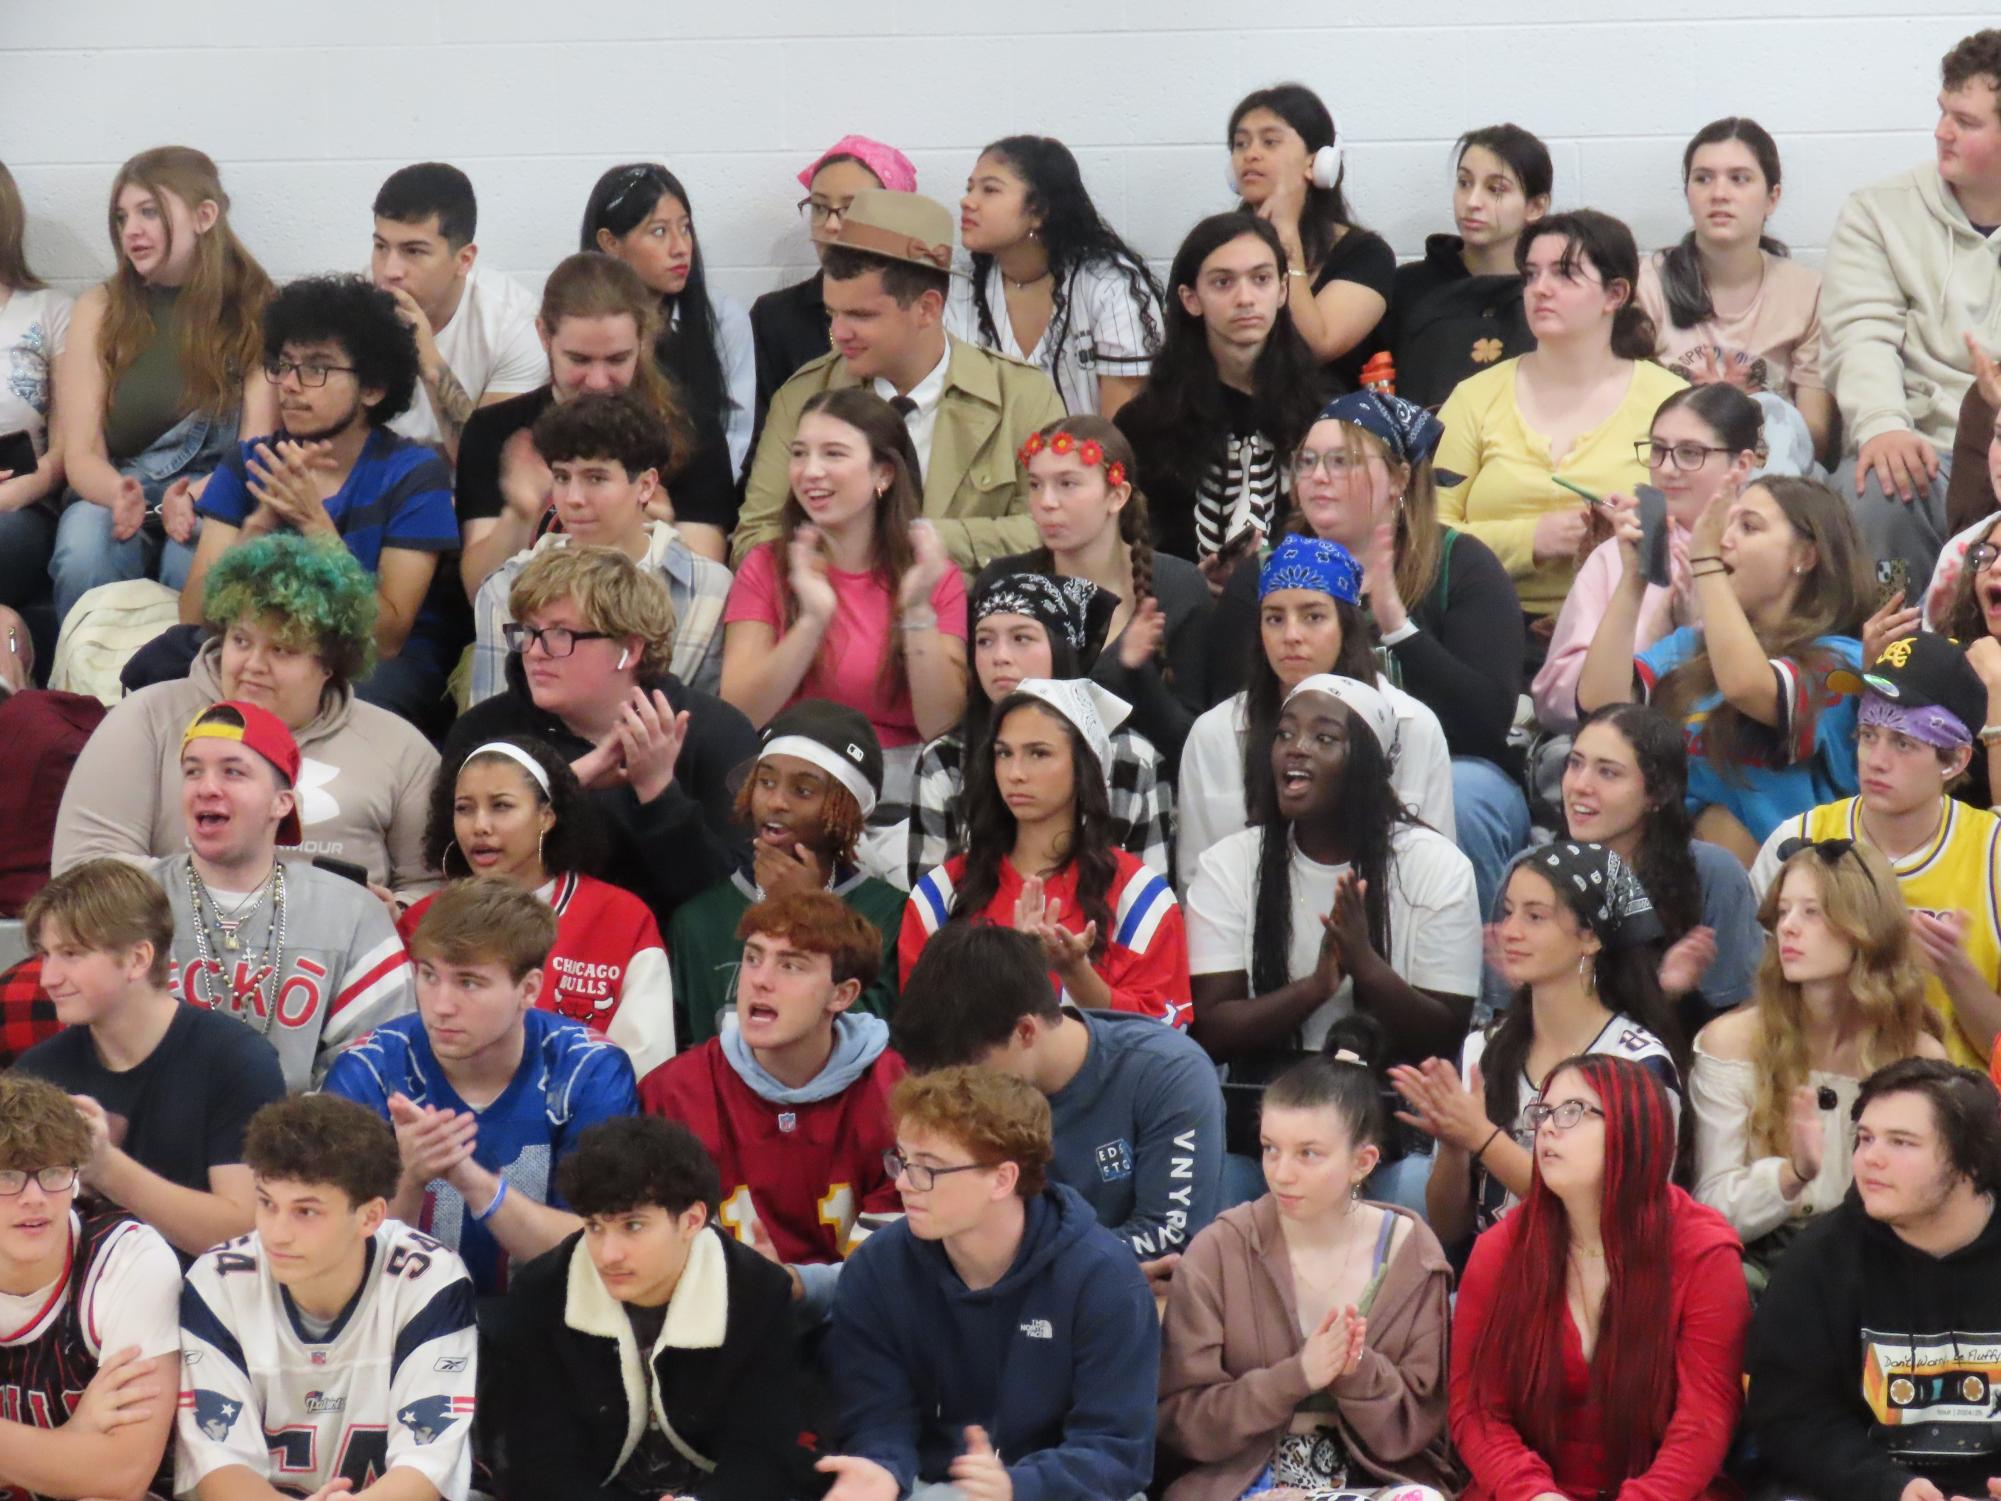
1407 430
1312 563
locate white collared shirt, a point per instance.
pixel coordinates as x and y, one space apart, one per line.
926 393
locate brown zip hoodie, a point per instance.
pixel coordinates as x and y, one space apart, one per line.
1230 1373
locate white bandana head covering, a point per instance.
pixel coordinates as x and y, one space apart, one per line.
1368 703
1092 710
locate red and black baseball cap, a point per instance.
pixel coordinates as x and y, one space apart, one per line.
261 731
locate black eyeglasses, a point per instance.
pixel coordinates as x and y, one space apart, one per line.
819 211
922 1176
1686 456
1563 1116
53 1180
555 640
313 374
1980 556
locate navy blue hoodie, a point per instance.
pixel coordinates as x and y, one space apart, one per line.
1059 1361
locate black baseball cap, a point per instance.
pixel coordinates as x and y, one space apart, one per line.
1921 671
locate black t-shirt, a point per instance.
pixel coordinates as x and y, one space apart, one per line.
1363 257
703 491
184 1108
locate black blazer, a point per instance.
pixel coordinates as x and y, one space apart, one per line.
573 1398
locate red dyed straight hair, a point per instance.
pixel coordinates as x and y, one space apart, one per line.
1519 1366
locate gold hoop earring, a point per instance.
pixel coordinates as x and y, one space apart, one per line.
541 840
445 861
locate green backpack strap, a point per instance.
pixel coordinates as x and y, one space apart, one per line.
1442 585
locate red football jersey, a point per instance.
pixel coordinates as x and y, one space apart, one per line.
806 1171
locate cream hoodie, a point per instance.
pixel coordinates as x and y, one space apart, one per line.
364 782
1907 276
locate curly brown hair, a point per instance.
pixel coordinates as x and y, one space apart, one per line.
995 1116
1973 57
322 1138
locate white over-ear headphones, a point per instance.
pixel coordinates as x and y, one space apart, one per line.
1326 166
625 655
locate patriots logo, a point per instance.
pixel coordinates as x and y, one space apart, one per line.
427 1418
215 1413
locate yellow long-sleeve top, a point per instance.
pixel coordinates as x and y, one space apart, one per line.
1507 484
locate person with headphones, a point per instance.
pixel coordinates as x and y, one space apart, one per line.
590 641
1286 167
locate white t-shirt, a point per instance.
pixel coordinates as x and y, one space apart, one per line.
132 1296
1103 332
489 343
34 326
1434 916
1211 791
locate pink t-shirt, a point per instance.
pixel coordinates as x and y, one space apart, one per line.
1778 335
848 669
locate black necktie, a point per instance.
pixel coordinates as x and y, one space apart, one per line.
904 406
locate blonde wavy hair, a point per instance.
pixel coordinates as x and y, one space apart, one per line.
221 304
613 593
1861 902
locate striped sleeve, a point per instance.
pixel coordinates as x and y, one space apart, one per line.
928 910
1119 343
1146 965
376 985
433 1367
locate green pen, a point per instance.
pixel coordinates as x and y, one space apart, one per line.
1589 498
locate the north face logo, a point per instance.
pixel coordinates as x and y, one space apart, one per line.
1039 1329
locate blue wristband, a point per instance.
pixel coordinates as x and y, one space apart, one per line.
492 1208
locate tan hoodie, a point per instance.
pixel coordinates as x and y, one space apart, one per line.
364 782
1231 1377
1907 276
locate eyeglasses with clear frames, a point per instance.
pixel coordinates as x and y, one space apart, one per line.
1337 462
557 640
1687 457
313 375
1563 1116
923 1177
53 1180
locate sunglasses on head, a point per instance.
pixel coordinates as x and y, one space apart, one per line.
1829 850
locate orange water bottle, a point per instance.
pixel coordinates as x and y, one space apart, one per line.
1380 374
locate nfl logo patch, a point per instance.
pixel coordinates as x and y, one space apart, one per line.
787 1121
319 1357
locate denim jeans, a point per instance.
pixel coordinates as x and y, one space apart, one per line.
87 555
1492 816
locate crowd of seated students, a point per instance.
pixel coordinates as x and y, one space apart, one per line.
993 879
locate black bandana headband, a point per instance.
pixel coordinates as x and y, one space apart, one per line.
1615 903
1074 609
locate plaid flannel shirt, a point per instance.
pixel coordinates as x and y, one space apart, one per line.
27 1015
1142 804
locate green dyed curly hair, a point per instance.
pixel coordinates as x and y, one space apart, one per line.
314 594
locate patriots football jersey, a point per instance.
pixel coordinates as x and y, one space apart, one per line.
389 1383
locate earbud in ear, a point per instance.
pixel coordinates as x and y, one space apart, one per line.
624 657
1230 178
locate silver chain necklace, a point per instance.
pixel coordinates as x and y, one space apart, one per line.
264 983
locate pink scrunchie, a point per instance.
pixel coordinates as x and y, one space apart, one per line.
891 167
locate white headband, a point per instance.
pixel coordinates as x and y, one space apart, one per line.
517 755
1095 711
829 760
1369 705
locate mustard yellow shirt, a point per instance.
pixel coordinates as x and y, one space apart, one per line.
1507 486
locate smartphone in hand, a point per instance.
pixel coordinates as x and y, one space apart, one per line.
1654 564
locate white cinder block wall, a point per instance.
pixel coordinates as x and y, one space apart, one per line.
306 108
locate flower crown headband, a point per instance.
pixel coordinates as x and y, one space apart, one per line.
1089 452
